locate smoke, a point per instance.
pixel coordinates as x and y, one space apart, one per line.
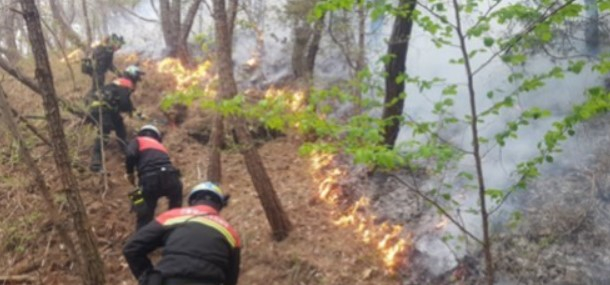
427 62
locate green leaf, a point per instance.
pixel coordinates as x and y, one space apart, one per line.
488 41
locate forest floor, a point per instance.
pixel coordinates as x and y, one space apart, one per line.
316 252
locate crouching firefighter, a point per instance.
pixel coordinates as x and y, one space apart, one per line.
157 177
199 246
108 105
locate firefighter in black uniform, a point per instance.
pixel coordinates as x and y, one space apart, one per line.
111 101
103 60
157 177
199 247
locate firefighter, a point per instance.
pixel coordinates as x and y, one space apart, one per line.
102 59
199 246
157 177
113 100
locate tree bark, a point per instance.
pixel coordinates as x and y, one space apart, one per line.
39 181
175 32
476 149
214 172
277 218
9 34
397 47
66 29
87 24
92 271
306 42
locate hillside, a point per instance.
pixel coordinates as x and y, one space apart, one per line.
317 252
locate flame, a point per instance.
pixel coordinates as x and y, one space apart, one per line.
74 56
443 223
295 99
386 238
186 78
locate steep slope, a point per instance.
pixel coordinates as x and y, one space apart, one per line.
317 251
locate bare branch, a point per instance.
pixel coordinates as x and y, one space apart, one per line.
134 14
438 207
522 34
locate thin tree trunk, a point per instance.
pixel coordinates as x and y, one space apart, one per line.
87 24
39 181
277 218
314 46
214 172
397 47
183 52
232 10
9 34
92 271
361 55
30 126
62 50
176 27
592 30
66 29
166 25
489 268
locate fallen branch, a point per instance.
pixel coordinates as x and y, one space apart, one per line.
31 127
18 278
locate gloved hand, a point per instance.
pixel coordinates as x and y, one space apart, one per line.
131 178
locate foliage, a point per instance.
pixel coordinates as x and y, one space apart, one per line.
526 27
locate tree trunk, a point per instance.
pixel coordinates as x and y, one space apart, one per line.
361 56
277 218
175 32
66 29
216 139
306 44
592 31
87 24
9 34
397 48
314 46
183 52
166 24
92 271
38 178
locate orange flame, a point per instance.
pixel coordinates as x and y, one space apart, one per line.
386 238
185 78
295 99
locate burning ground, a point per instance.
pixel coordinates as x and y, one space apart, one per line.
326 246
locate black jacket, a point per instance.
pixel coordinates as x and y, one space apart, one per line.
103 57
147 155
197 244
118 94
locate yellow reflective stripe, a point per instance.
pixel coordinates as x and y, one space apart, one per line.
204 221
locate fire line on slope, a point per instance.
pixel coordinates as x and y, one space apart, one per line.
385 238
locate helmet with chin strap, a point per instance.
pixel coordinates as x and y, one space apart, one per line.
208 191
152 129
133 72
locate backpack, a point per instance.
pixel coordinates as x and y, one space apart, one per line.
117 98
86 66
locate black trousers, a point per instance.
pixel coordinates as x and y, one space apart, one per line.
97 80
111 121
157 185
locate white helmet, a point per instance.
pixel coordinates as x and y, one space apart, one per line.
150 128
208 188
